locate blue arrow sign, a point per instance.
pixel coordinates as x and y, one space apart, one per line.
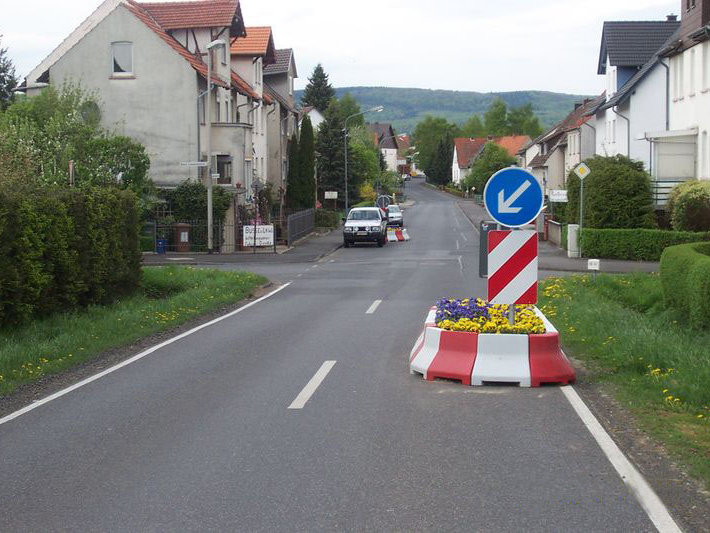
513 197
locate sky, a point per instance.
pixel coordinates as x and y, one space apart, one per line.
465 45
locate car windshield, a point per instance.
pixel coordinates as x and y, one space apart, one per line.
363 215
393 209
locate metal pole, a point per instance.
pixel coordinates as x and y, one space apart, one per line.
346 167
511 314
208 149
581 215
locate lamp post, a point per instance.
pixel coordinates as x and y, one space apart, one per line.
208 140
376 109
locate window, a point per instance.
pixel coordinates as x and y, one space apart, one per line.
224 169
122 58
290 85
216 111
248 173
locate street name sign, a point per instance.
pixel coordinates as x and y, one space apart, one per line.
558 195
512 267
194 163
582 171
513 197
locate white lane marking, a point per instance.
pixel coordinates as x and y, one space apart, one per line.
467 219
135 358
373 307
649 500
312 385
464 236
460 264
458 245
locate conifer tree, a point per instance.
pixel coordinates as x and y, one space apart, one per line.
306 156
292 182
318 92
331 153
8 79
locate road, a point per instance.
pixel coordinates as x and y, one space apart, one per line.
199 435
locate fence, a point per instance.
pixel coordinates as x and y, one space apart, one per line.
188 236
299 225
662 190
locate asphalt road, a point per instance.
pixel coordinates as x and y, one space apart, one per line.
199 434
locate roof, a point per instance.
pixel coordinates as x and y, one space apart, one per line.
627 89
197 14
633 43
467 148
258 42
403 141
273 93
384 134
539 160
512 143
284 57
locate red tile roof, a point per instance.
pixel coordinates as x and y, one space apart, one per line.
196 14
259 41
468 148
512 143
242 86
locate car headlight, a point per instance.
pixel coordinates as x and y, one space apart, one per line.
348 229
374 228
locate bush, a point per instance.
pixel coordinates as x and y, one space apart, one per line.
61 249
188 201
689 206
685 277
617 194
634 244
327 219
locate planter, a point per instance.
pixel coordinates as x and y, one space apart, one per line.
481 358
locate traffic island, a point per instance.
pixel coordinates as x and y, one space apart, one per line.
479 357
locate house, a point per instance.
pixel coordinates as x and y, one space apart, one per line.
387 143
249 56
281 124
636 81
682 151
553 154
148 63
467 150
316 116
404 154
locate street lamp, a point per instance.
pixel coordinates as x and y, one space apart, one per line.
376 109
208 135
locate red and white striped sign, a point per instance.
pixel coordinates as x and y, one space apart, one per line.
512 267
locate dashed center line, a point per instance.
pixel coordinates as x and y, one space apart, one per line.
458 245
373 307
312 385
464 236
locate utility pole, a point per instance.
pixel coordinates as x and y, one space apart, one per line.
208 141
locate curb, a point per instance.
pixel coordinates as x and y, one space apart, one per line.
481 358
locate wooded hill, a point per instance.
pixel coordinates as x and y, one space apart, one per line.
404 108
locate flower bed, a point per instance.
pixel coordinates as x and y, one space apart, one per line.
479 316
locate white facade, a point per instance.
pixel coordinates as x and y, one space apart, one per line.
316 117
390 156
457 173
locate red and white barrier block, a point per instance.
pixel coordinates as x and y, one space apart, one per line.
397 235
480 358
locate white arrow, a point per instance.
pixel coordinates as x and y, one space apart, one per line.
504 205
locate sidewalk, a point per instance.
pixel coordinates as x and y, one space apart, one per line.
307 250
553 258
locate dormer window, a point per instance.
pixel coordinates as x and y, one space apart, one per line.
122 59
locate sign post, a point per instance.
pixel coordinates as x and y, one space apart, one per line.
514 198
582 171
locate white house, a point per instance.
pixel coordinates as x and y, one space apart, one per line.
147 62
387 143
466 149
683 151
316 116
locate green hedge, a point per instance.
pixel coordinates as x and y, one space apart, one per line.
328 219
685 277
62 249
634 244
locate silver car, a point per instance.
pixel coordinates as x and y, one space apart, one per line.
365 224
395 217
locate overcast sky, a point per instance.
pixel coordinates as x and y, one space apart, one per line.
468 45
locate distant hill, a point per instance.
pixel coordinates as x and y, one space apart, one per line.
404 108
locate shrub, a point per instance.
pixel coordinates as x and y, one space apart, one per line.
189 202
327 219
689 206
617 194
60 249
634 244
685 277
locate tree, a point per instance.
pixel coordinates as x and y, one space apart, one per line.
427 135
330 149
347 107
473 127
318 92
440 170
307 162
8 79
617 194
496 118
293 193
522 121
492 159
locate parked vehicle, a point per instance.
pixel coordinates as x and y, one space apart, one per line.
395 217
365 224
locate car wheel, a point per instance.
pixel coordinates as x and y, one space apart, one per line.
346 244
381 242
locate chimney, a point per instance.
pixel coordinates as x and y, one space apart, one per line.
671 18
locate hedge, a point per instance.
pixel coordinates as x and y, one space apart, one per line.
64 249
634 244
328 219
685 278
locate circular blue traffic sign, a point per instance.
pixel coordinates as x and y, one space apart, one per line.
513 197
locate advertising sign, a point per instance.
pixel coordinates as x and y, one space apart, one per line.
264 235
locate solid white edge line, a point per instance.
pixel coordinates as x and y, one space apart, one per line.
373 307
300 401
637 484
467 219
133 359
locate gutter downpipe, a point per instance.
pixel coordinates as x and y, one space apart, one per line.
628 131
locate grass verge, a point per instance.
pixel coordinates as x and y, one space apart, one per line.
168 297
657 365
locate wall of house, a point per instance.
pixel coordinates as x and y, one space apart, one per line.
647 113
690 102
573 153
556 170
390 155
156 107
530 153
276 146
